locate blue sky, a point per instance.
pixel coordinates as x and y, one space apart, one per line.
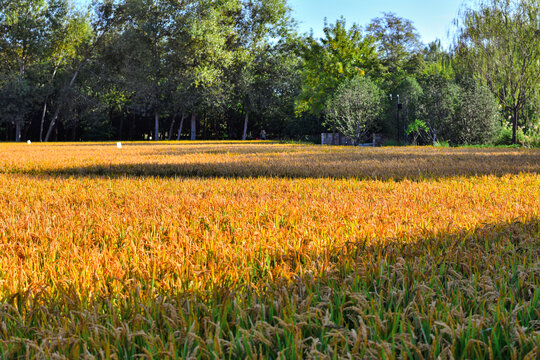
432 18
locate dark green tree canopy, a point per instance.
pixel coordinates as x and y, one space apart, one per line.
397 39
499 40
226 69
341 55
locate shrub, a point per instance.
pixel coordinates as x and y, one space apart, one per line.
477 116
416 129
438 106
504 136
354 108
410 93
443 144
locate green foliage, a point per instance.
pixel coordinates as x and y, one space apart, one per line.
69 31
341 55
438 105
500 43
444 144
438 61
239 64
354 108
397 39
23 25
259 64
465 113
504 136
477 116
16 100
410 93
144 48
416 129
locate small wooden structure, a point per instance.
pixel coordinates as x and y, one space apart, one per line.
377 140
335 139
342 140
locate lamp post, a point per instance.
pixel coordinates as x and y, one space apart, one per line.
399 108
397 121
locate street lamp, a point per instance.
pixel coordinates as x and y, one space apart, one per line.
399 108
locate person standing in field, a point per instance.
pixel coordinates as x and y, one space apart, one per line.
263 134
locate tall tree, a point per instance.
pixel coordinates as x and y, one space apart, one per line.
477 116
341 55
203 52
23 25
258 21
145 38
397 39
438 61
68 31
500 42
410 93
101 24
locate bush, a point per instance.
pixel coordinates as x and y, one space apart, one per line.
504 136
477 115
438 106
416 129
531 137
354 108
461 114
391 142
443 144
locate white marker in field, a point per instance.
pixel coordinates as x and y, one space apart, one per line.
119 145
28 142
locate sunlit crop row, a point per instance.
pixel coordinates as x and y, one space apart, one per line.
89 224
237 159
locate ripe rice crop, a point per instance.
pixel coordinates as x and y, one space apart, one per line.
267 250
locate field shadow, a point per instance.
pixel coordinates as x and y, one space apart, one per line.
301 163
442 288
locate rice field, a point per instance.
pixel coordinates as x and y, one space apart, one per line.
261 250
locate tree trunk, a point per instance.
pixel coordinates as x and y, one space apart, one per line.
246 119
121 129
43 120
181 126
156 126
193 126
53 122
45 105
514 126
17 131
131 126
25 130
57 112
172 126
81 63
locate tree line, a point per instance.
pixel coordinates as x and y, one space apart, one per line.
228 69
